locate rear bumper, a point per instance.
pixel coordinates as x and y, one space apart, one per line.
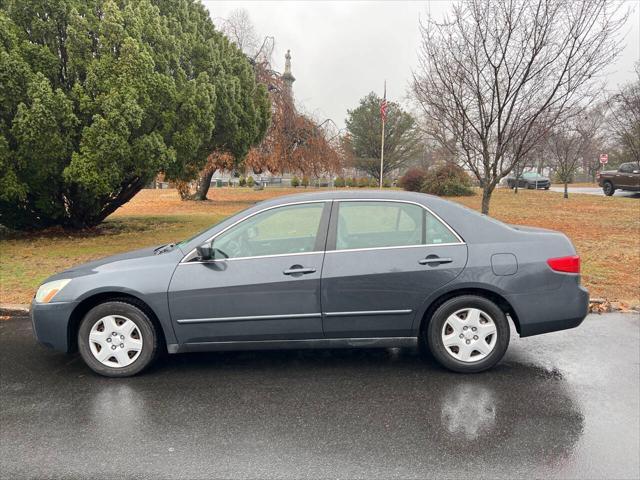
559 309
51 323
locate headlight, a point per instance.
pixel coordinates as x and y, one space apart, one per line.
48 290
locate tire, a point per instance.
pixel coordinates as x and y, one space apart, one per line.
608 188
135 342
494 346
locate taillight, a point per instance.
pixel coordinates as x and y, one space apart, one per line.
565 264
597 175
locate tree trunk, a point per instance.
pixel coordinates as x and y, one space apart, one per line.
487 190
566 190
204 182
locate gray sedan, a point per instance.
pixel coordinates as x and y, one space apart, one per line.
321 270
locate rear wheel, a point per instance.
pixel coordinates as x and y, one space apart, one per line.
117 339
608 188
468 334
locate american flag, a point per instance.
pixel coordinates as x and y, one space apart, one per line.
384 105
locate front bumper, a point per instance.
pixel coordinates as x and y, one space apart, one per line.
541 185
559 309
51 323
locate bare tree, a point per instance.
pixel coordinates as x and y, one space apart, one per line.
590 126
624 118
241 31
564 146
499 74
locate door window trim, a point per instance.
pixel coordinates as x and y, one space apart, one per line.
333 227
322 230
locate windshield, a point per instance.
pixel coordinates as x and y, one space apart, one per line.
193 237
533 175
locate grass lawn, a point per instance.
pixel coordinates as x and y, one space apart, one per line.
605 230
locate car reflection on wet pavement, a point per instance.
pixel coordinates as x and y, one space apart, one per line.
560 405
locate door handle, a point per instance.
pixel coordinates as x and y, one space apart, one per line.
299 269
433 259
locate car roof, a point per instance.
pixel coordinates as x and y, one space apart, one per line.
367 194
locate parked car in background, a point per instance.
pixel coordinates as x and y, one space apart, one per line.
626 177
321 270
529 180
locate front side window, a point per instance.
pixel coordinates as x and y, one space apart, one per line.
283 230
387 224
627 168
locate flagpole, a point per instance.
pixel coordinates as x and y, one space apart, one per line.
382 139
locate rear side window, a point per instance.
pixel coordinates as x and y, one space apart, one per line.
371 224
437 232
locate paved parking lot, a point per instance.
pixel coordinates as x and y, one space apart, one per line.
564 405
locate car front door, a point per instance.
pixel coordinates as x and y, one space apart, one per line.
263 283
383 259
625 177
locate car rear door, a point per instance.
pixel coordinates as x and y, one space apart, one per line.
267 289
383 259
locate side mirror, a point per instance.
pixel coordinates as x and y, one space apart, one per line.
205 251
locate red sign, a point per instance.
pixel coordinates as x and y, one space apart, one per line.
604 158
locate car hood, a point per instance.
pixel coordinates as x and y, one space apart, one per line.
112 261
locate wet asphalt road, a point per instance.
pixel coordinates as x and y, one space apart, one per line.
561 405
596 191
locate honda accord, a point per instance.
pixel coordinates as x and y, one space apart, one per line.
321 270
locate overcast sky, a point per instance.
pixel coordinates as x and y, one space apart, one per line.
343 50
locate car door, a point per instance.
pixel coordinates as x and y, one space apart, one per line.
625 178
263 283
383 259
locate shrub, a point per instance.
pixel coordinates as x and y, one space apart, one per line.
339 182
363 182
305 181
413 179
95 102
447 180
295 182
250 182
242 182
351 182
386 183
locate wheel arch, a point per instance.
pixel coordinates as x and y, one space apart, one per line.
98 298
495 297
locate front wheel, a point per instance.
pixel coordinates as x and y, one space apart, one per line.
608 188
468 334
117 339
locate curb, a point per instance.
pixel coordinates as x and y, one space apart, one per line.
14 308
